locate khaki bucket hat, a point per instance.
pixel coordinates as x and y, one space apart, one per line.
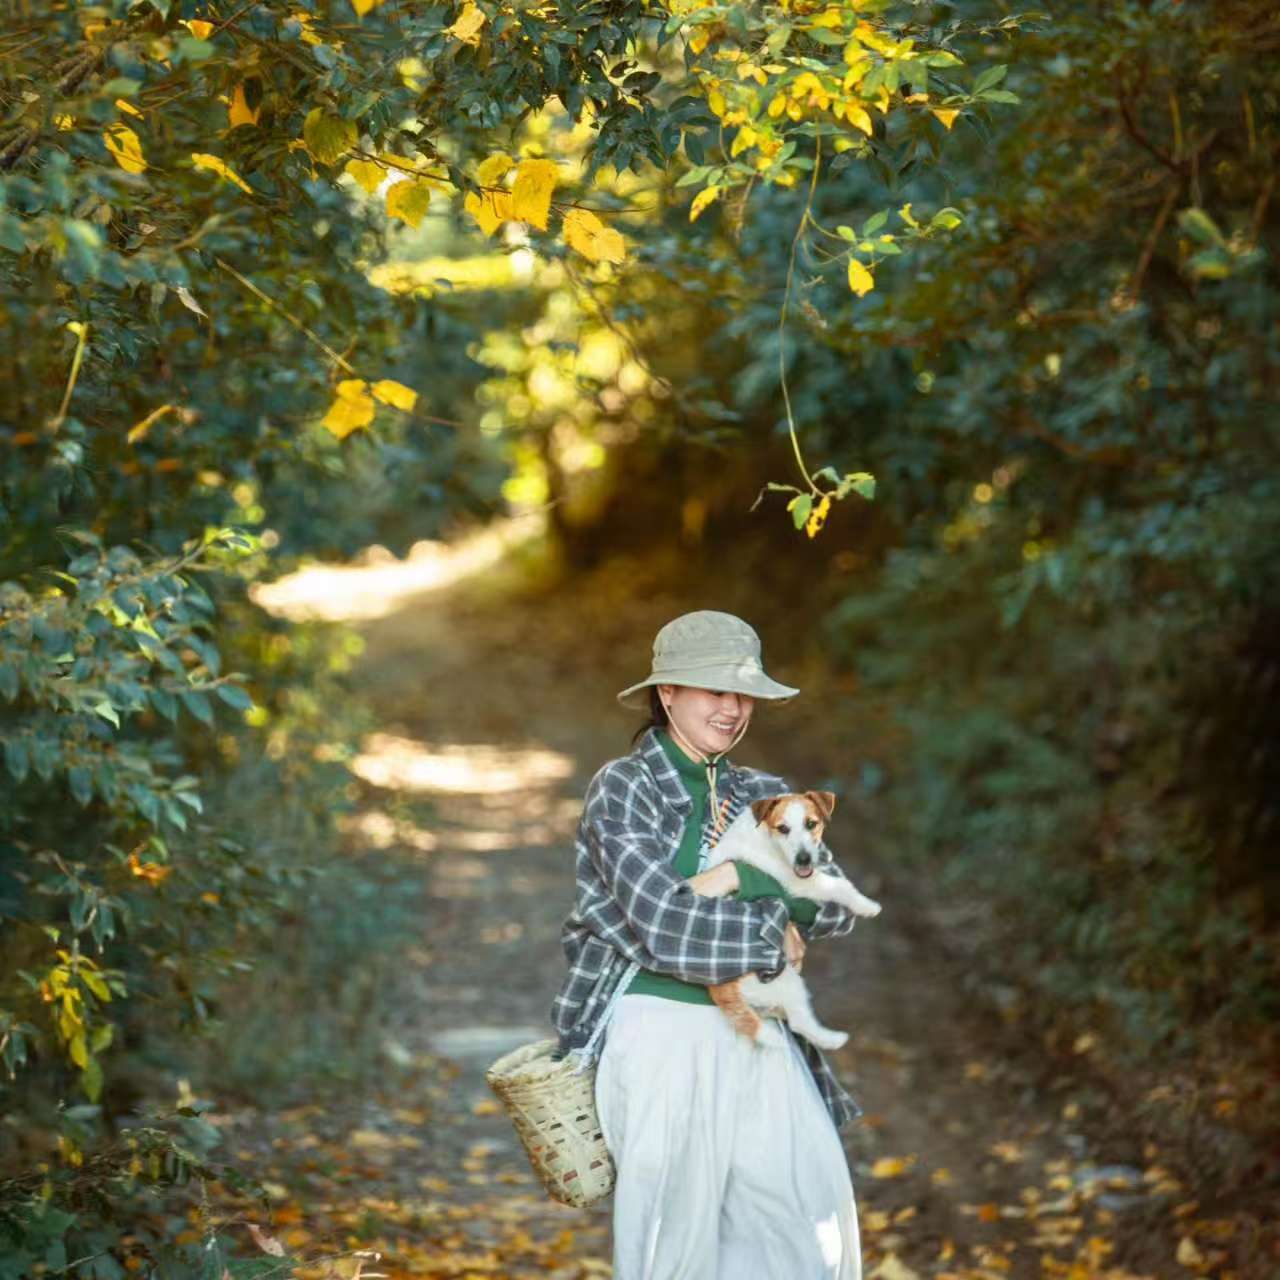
708 650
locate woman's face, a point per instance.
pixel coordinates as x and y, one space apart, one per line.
709 721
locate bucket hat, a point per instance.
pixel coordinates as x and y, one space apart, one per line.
708 650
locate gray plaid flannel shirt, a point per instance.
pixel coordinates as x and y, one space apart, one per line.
631 903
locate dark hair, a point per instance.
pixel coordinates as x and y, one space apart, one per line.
658 718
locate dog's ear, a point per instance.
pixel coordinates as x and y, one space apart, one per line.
763 808
824 801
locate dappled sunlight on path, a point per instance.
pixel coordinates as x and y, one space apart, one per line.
379 583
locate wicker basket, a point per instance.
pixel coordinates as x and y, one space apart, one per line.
553 1106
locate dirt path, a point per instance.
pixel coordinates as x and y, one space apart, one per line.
975 1158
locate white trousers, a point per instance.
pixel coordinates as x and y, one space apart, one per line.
729 1167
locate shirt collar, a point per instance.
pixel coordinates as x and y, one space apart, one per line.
666 772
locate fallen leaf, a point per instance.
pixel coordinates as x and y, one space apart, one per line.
268 1244
892 1166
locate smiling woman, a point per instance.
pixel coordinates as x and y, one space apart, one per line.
700 1122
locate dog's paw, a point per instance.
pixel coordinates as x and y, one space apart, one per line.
867 908
770 1036
829 1040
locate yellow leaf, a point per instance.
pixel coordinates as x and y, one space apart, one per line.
745 137
715 100
215 164
364 6
907 216
367 174
467 26
861 281
818 516
64 121
408 201
123 104
125 146
327 138
585 232
494 169
891 1166
891 1268
199 28
490 209
828 18
352 408
396 394
306 35
858 117
79 1050
531 194
946 114
705 197
140 428
240 112
1188 1254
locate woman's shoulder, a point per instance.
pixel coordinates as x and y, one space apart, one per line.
620 776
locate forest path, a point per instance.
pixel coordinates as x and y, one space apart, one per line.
495 706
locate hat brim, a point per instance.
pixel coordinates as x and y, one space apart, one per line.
728 679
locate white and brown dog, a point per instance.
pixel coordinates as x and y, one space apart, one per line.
782 835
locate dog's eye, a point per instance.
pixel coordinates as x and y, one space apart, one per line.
783 829
810 823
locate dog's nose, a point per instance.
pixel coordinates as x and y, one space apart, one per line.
804 859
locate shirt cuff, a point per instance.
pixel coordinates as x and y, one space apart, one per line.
773 932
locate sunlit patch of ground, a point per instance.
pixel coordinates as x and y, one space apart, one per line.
403 764
378 583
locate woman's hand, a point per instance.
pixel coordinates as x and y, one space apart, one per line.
719 882
794 945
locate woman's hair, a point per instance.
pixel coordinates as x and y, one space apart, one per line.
658 718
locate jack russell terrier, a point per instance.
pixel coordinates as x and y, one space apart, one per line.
782 835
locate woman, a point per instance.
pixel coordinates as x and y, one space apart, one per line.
729 1163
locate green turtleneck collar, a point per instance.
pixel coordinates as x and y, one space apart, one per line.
692 773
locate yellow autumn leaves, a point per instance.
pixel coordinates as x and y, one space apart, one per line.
354 405
529 201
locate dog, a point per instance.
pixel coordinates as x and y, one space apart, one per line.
782 835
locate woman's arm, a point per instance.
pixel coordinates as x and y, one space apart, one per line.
698 939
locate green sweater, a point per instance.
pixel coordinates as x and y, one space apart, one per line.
752 882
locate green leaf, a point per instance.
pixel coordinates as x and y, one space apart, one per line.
91 1079
863 483
1199 226
846 233
989 78
800 508
199 706
328 137
234 696
874 223
999 95
81 783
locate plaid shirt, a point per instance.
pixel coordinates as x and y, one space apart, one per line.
631 903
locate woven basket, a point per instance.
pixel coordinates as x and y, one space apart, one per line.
553 1107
